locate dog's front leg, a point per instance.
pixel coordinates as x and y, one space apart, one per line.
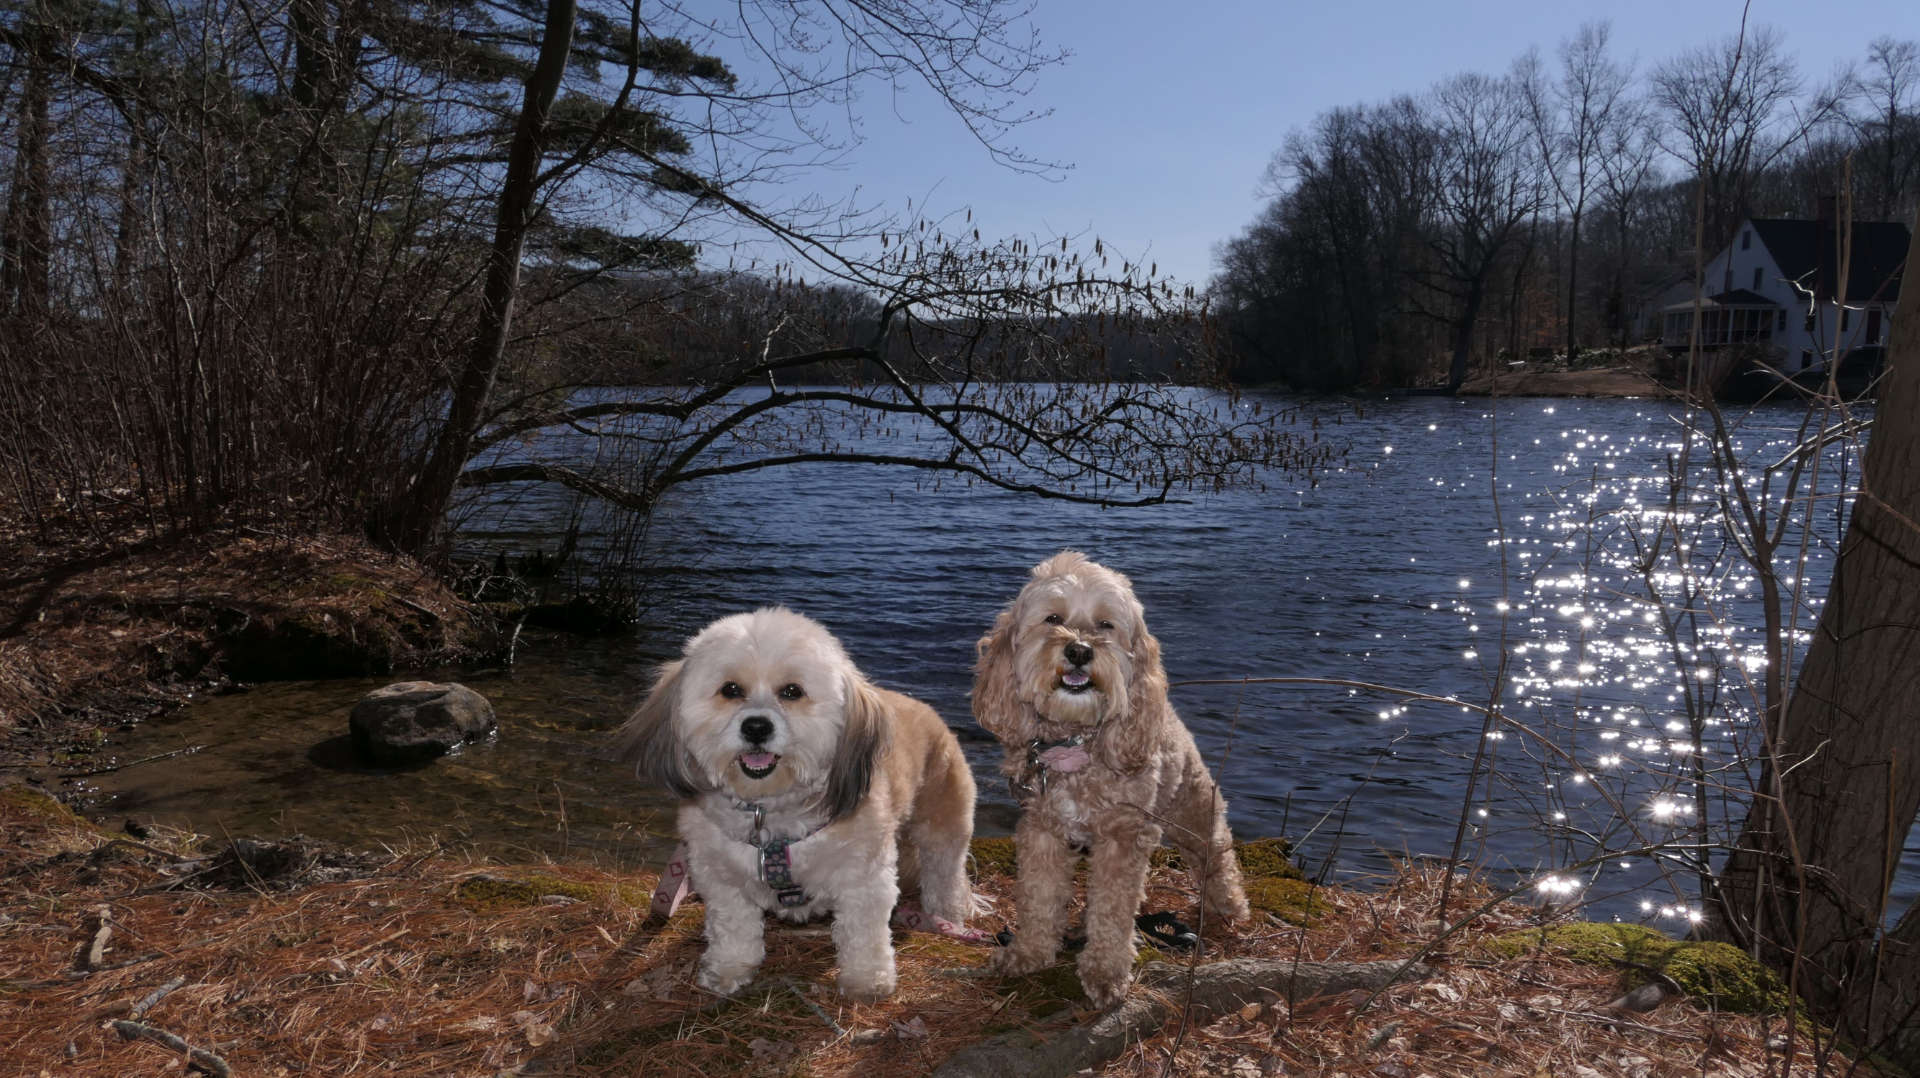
736 941
1040 896
1116 886
863 938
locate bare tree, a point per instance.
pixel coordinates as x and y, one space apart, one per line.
1733 110
1887 95
1487 184
1576 115
336 236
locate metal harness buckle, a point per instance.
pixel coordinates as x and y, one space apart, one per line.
775 868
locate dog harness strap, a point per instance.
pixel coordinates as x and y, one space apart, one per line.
914 919
1045 757
673 888
776 871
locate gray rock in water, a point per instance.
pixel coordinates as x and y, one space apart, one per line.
412 722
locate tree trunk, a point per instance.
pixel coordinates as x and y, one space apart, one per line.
1573 285
24 285
414 521
1806 886
1463 335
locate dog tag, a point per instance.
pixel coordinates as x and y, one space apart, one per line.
1065 758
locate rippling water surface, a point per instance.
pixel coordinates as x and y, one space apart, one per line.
1458 532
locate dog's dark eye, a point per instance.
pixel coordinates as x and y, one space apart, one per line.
1054 619
791 692
1107 625
732 690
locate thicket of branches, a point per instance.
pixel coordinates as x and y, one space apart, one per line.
303 262
1535 211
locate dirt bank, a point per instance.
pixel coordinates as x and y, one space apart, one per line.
1624 380
94 637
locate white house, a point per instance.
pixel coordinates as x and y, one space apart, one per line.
1777 284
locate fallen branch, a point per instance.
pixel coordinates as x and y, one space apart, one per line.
197 1058
1216 988
147 1001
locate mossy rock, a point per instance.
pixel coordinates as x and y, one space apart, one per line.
1724 977
993 857
1712 974
1293 900
489 893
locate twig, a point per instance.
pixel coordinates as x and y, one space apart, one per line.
147 1001
197 1058
136 763
370 946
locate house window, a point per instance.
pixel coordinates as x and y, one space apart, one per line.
1873 325
1756 278
1746 239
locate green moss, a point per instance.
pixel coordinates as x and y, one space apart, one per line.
1267 859
1711 974
1725 978
1262 858
19 799
1050 990
993 857
495 893
941 950
1294 901
1590 943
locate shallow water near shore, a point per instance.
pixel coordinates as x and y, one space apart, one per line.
1396 570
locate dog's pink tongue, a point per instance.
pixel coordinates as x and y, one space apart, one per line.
1074 677
759 761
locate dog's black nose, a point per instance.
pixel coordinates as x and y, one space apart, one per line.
756 728
1078 654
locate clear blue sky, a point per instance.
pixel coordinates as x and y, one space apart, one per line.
1168 112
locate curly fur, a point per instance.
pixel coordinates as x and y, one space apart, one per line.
1145 778
855 768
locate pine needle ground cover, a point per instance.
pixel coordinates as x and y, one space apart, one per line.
174 954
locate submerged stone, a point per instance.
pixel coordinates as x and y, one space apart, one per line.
412 722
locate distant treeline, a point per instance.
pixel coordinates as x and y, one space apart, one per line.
1534 212
697 328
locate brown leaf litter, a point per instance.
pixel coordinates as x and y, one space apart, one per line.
414 964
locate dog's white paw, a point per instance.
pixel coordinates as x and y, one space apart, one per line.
723 980
867 986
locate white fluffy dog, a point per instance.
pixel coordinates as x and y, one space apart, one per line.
1070 681
798 777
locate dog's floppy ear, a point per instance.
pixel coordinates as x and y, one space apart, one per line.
650 742
996 698
1126 741
862 741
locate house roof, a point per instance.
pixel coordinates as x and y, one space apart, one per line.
1739 297
1879 254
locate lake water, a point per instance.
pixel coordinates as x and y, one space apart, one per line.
1395 569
